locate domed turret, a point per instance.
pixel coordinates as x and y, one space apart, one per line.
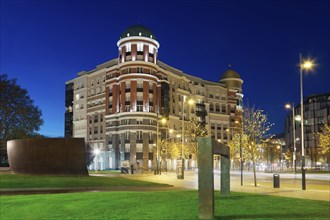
232 79
138 30
138 43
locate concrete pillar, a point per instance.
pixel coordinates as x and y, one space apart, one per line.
205 179
225 176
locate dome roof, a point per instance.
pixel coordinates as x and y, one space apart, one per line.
230 74
138 30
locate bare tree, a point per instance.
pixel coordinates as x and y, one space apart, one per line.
324 142
196 128
256 128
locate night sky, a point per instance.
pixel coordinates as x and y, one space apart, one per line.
46 43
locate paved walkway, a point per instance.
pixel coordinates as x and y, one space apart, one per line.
318 186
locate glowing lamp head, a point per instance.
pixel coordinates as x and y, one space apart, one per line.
297 118
171 131
287 106
163 120
96 151
191 102
307 64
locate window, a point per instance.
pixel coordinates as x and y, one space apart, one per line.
139 70
139 47
139 121
151 49
211 107
128 47
127 135
223 108
77 96
127 148
139 135
217 107
139 108
139 148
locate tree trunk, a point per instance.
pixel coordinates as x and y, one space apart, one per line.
254 173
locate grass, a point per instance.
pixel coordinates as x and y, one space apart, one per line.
11 181
104 172
157 205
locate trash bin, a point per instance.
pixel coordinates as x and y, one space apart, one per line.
276 180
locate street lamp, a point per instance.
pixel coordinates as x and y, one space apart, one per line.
163 121
288 106
190 102
307 64
240 148
96 152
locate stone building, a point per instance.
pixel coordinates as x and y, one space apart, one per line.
117 106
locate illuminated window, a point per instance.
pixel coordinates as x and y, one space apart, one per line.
127 147
77 96
139 148
151 49
140 47
128 47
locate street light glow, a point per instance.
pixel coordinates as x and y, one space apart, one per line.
191 101
163 120
288 106
308 64
171 131
96 151
297 118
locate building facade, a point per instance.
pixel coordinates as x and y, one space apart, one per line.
117 106
316 115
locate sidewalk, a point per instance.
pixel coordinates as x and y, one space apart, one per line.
317 188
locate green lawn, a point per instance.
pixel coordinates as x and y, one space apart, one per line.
157 205
10 181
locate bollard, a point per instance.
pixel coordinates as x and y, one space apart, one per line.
276 181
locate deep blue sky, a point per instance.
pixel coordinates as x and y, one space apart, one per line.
45 43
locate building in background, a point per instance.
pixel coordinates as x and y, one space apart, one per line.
316 114
117 106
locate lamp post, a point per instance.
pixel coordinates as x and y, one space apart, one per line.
288 106
306 65
190 102
163 121
240 147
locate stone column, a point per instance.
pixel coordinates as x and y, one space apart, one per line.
225 176
205 179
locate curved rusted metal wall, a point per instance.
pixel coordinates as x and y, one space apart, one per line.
47 156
